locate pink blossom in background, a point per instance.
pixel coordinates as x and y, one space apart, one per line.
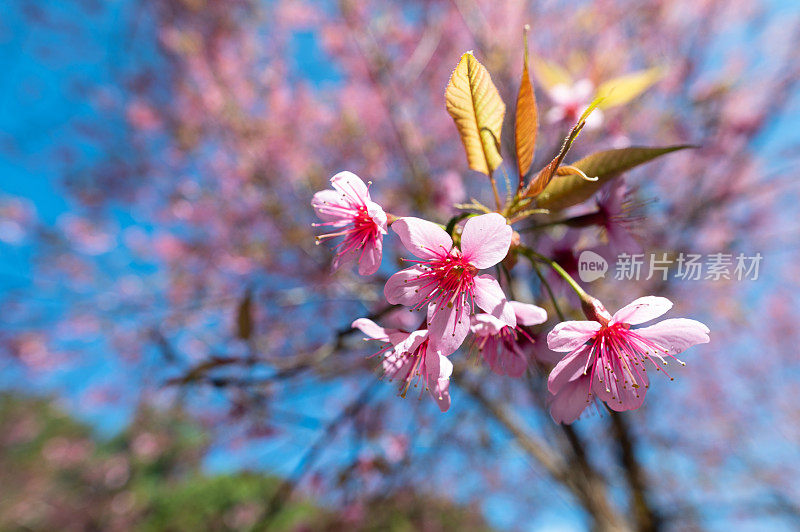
411 355
395 447
606 357
503 347
17 219
570 101
86 236
449 190
360 221
618 217
446 278
142 116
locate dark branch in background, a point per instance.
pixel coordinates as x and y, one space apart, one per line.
200 372
643 514
576 474
288 485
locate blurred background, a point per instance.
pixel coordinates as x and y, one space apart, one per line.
175 352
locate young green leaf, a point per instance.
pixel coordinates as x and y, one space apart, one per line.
478 111
527 119
623 89
550 74
604 165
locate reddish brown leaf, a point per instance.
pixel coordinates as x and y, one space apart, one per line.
527 119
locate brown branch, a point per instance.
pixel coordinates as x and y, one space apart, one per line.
644 516
574 472
286 488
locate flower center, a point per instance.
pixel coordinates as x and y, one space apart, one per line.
406 366
361 230
452 279
619 353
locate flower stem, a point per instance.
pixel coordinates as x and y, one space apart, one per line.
496 193
549 291
533 256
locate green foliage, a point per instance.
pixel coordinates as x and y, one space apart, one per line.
150 478
570 190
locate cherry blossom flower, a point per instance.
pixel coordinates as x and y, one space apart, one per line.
408 356
572 100
502 346
446 278
619 215
357 218
606 357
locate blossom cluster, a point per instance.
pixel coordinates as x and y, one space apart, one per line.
604 358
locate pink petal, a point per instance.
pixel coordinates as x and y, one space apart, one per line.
490 351
516 363
569 335
437 366
406 288
583 89
571 367
561 94
510 362
594 120
448 327
619 393
485 240
351 186
528 314
424 239
331 207
397 364
641 310
371 329
486 325
555 115
490 297
570 401
676 334
344 258
412 341
376 332
378 216
438 369
441 394
370 259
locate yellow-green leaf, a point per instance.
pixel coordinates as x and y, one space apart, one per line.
623 89
477 109
550 74
566 191
527 119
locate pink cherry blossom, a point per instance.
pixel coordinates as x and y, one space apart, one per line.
606 357
358 219
571 101
617 214
446 278
501 345
409 355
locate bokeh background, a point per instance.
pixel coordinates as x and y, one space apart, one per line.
175 350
